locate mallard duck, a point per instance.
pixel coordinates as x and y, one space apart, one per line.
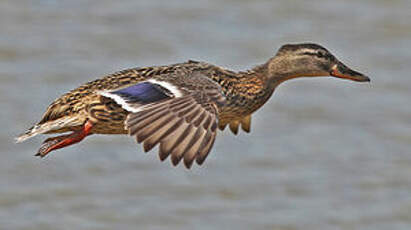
179 107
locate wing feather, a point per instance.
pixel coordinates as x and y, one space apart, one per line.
167 146
205 147
149 120
182 143
162 133
193 147
149 130
184 126
208 141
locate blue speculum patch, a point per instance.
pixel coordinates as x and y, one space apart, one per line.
144 92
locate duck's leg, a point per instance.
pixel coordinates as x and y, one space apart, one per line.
65 140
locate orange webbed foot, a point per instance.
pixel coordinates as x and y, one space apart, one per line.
58 142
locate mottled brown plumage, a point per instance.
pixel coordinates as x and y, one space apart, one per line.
179 106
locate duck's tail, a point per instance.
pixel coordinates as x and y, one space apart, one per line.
31 132
48 127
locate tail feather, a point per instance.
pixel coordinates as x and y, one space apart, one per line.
48 127
28 134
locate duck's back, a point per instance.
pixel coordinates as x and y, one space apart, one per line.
86 100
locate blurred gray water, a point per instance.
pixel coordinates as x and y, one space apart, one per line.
323 153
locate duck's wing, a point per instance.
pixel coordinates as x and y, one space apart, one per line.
179 115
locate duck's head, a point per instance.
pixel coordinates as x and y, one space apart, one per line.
309 60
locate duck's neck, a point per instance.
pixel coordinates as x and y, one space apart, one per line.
275 71
270 79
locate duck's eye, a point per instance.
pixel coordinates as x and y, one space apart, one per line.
320 54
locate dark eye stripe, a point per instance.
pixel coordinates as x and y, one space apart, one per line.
320 55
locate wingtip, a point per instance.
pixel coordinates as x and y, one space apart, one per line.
200 160
175 160
188 165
